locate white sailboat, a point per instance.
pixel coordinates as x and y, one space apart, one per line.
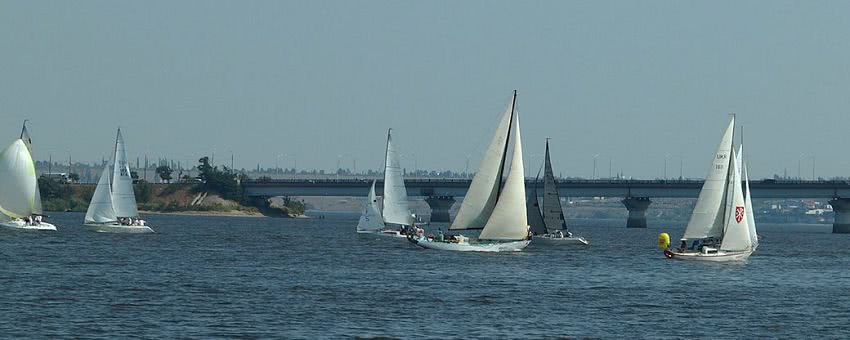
371 221
550 225
720 227
113 206
499 210
395 218
20 200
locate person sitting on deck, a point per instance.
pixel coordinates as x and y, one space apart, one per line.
440 236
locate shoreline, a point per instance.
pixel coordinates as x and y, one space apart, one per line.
232 213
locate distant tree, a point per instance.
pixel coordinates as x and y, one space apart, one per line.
143 191
164 172
221 181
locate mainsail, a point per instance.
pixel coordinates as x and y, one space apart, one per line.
736 235
535 219
124 201
709 213
508 221
25 136
396 209
19 196
480 199
370 219
101 206
553 213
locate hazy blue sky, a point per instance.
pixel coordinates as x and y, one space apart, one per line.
322 80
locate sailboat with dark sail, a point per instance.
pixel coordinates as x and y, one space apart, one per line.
549 224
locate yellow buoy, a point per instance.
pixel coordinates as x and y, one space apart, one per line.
663 241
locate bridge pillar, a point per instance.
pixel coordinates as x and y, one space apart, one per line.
440 206
841 221
637 211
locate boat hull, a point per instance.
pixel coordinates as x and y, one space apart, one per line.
719 256
474 246
118 228
551 239
385 233
21 225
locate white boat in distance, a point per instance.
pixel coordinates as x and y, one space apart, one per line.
500 211
550 226
20 200
113 206
395 217
720 229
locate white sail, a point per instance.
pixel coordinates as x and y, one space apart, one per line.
736 235
19 196
25 136
123 199
100 208
370 219
480 198
709 215
751 220
509 218
396 209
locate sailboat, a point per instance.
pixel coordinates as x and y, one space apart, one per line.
370 220
499 211
549 225
395 218
20 200
113 206
720 227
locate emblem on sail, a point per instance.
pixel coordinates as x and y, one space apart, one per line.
739 214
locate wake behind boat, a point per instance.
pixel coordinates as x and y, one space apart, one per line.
720 229
550 226
113 205
20 200
500 211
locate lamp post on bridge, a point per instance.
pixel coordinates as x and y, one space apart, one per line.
594 166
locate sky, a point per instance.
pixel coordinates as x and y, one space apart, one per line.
631 83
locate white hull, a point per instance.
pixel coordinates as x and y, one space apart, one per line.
118 228
18 224
552 239
386 233
719 256
475 246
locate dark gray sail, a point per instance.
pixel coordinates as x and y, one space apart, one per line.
553 215
535 219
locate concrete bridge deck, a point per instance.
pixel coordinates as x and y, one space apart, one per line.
440 193
568 188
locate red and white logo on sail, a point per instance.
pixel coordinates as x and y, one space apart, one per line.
739 214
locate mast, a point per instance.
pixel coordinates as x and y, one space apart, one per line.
505 151
24 129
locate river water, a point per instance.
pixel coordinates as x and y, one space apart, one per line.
218 277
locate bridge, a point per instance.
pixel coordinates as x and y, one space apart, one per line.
637 194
